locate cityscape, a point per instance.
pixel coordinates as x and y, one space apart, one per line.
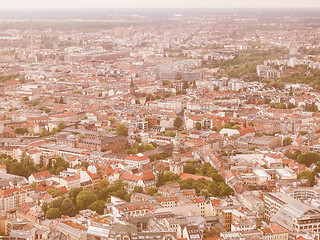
160 123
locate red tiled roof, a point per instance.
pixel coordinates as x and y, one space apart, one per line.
33 152
277 229
136 158
63 189
42 175
148 175
93 175
9 192
63 115
46 196
38 143
145 176
130 177
185 176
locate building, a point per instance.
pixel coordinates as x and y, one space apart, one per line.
114 144
39 177
291 214
144 180
176 165
137 160
11 199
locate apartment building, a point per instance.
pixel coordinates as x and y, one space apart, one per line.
11 199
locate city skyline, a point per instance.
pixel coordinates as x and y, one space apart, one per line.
38 4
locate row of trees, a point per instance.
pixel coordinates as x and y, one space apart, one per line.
282 105
308 159
311 107
151 97
79 199
304 76
230 125
59 128
26 165
122 130
244 62
9 77
216 187
141 148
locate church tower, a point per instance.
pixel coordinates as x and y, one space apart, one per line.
176 165
132 91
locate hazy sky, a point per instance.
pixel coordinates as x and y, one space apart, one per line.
16 4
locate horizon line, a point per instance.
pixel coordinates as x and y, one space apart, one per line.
188 8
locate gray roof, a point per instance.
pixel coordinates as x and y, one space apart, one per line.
292 209
120 228
96 231
6 178
284 219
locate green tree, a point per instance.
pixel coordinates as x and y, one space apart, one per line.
21 131
224 189
251 124
67 208
151 191
97 206
45 109
185 85
59 165
177 122
198 125
56 203
55 193
308 158
45 207
170 133
61 126
104 194
150 123
166 177
85 198
138 189
73 193
53 213
310 175
121 129
149 97
287 141
311 107
266 100
291 92
190 168
103 183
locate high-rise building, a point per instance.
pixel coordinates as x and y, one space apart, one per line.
168 40
137 39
